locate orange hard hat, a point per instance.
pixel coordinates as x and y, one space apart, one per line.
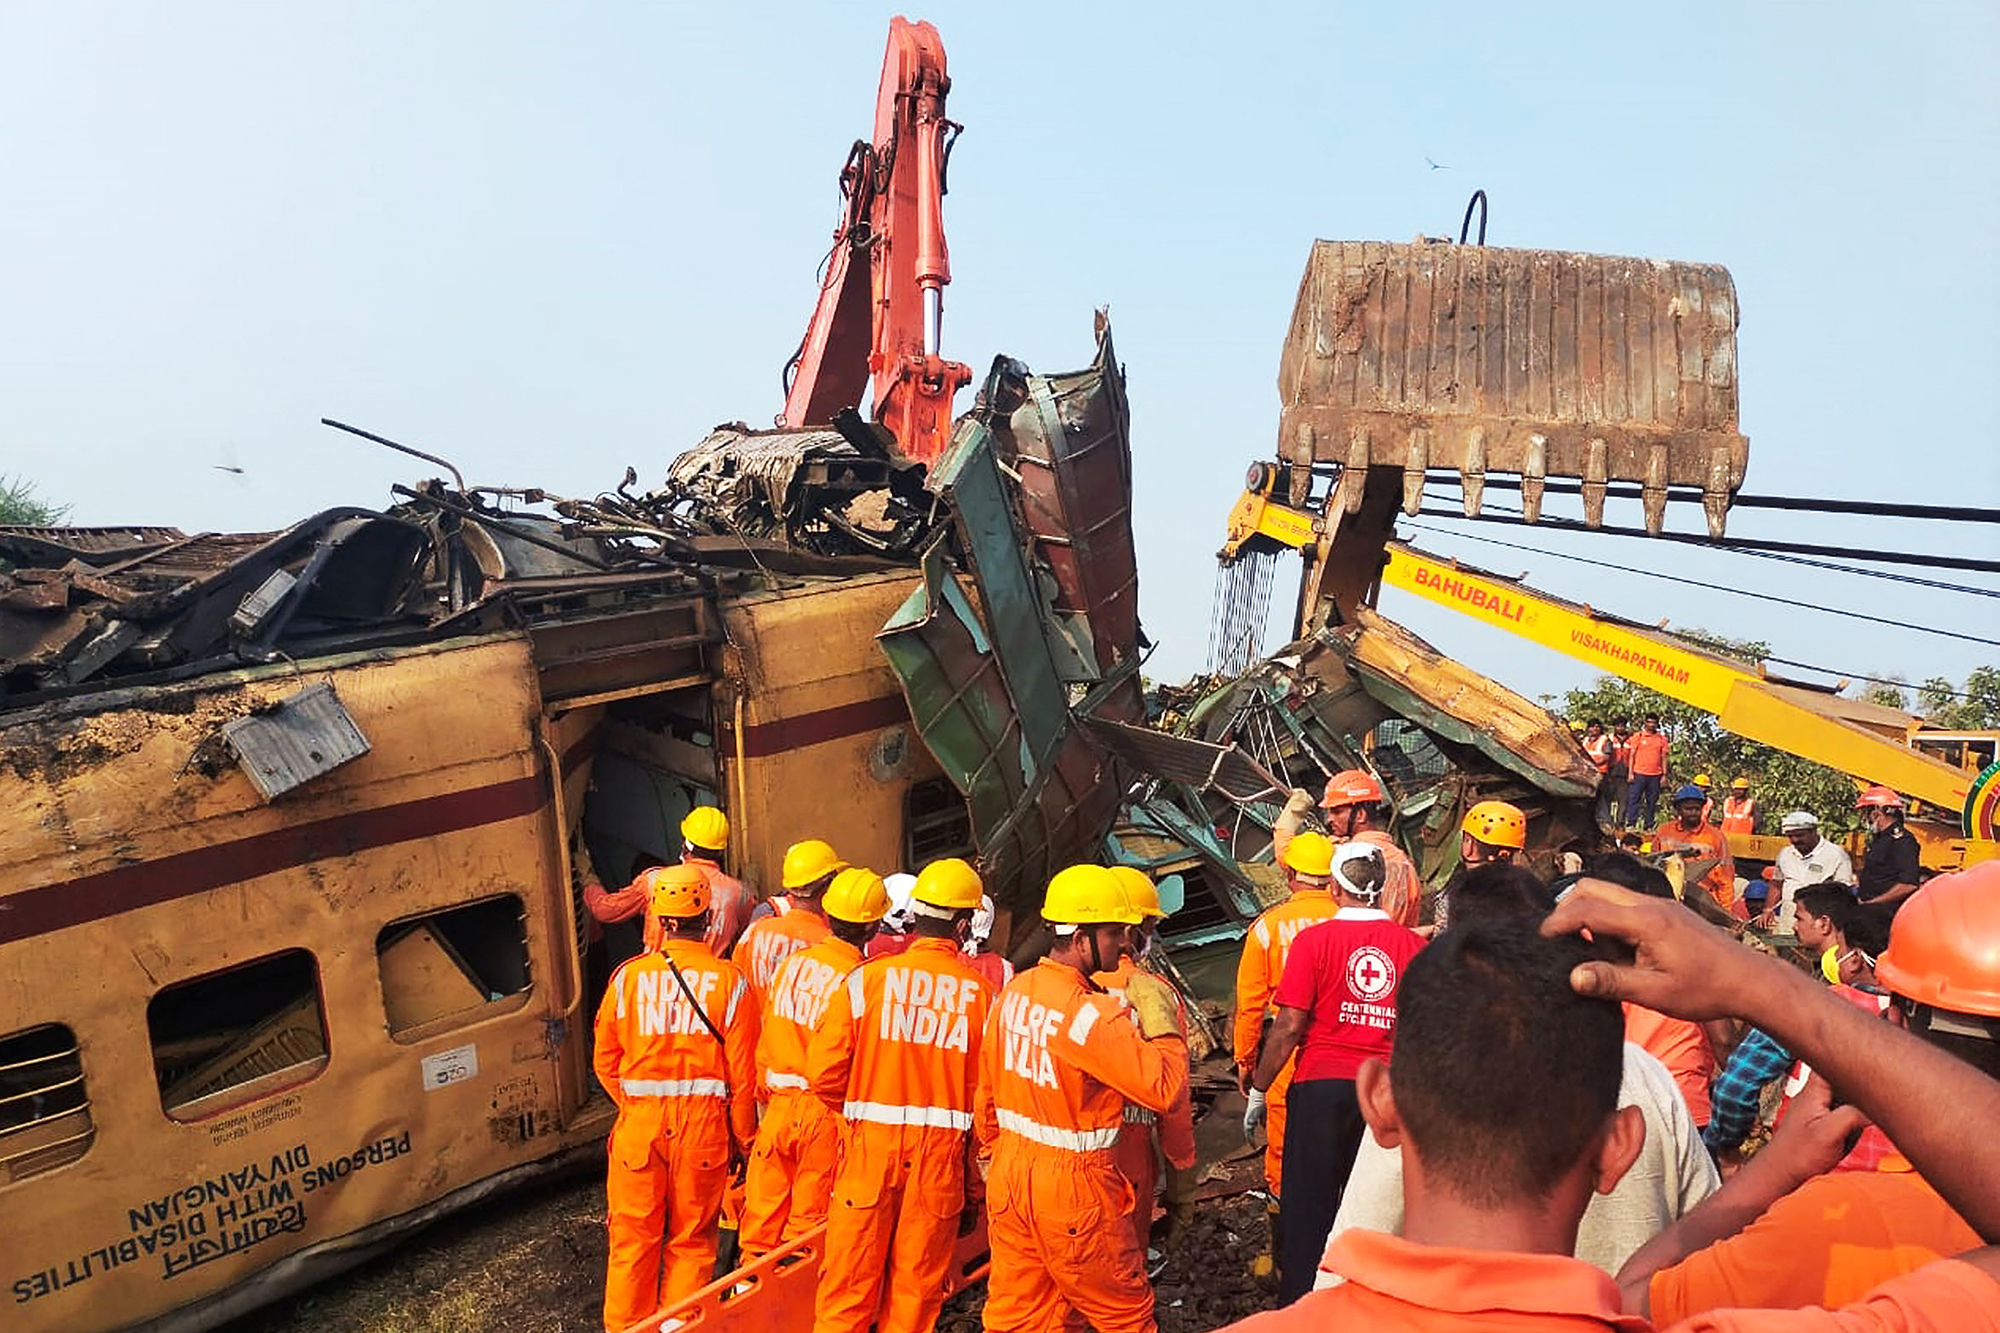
1352 786
1497 824
1944 946
678 891
1879 797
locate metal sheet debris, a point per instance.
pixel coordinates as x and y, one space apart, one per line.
303 736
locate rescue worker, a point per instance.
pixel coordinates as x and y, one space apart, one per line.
1707 785
1356 806
1308 862
1336 1008
1739 808
676 1044
993 966
894 936
1809 859
704 838
608 907
1696 839
1492 833
1646 759
1891 868
1146 1137
899 1055
797 918
1059 1065
798 1140
1601 748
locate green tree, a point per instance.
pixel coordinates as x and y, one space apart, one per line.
1975 708
19 506
1780 781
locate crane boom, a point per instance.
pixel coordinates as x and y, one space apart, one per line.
879 318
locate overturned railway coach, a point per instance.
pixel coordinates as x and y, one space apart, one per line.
295 827
245 1039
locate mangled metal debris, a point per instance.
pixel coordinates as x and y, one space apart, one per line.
297 739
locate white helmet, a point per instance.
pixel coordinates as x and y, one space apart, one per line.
1359 869
902 914
1798 819
982 925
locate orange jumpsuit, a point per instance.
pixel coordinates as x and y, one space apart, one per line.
798 1140
1705 842
682 1098
898 1053
1061 1061
729 904
1146 1135
1257 975
768 941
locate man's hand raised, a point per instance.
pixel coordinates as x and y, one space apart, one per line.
1679 964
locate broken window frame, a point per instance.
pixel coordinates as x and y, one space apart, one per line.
257 1086
919 846
19 1163
454 952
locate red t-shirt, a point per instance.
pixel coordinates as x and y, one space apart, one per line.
1344 973
1647 754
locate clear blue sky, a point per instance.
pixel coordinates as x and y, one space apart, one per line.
551 240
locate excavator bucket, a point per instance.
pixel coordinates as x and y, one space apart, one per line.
1404 361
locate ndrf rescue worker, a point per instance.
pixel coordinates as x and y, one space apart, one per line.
1060 1063
704 837
1356 807
898 1054
1492 833
1146 1137
1696 839
797 919
798 1140
1308 861
1336 1008
676 1049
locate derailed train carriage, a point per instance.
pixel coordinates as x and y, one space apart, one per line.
293 957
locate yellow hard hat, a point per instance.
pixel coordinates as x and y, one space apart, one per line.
808 861
1740 784
1310 853
1497 824
1704 781
675 891
707 828
950 884
857 895
1088 895
1140 889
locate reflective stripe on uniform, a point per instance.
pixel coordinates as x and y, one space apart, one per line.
1139 1115
673 1087
932 1117
729 1015
774 1079
1075 1140
1082 1022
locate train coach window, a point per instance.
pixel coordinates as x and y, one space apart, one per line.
232 1036
445 969
935 823
44 1114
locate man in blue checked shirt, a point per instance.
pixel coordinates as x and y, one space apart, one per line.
1738 1090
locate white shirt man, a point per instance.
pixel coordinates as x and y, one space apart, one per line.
1810 859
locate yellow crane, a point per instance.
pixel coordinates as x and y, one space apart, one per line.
1867 741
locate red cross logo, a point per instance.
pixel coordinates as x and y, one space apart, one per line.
1371 974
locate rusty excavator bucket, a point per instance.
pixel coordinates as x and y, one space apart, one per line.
1423 360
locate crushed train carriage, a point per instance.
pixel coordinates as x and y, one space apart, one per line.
292 951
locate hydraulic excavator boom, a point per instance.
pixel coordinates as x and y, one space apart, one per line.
880 314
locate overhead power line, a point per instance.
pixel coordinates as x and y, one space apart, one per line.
1721 587
1887 575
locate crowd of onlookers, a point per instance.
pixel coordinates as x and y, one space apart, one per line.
1579 1101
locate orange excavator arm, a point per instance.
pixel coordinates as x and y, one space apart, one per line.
881 307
